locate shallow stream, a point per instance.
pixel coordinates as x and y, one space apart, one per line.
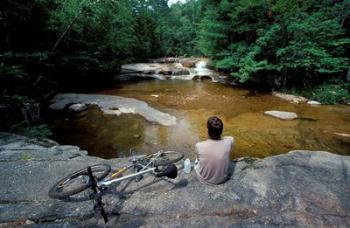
242 112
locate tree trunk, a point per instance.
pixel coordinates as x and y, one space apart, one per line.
65 31
284 78
71 24
31 112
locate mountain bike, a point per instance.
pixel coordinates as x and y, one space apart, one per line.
98 177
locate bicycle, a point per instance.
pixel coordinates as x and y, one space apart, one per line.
98 177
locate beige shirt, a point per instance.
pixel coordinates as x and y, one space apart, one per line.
214 159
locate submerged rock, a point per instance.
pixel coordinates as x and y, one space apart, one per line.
297 189
282 115
114 105
291 98
340 135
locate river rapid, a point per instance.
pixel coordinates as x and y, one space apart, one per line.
192 102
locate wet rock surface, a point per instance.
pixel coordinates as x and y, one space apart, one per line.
190 63
311 102
169 68
291 98
114 105
282 115
301 188
77 108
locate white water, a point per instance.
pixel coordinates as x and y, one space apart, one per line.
145 69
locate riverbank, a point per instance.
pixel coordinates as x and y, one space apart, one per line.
300 188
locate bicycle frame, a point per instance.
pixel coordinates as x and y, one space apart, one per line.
144 170
98 186
105 183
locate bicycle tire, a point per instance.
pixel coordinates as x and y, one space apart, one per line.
58 190
168 157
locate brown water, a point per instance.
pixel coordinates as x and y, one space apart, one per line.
192 103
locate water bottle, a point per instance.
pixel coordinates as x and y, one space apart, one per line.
187 166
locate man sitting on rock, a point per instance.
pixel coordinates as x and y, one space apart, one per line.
213 154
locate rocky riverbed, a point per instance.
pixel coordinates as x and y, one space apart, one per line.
171 68
300 188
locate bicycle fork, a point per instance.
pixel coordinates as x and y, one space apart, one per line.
97 196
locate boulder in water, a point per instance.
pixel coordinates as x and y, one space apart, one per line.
114 105
165 60
164 72
179 71
310 102
291 98
77 108
188 63
282 115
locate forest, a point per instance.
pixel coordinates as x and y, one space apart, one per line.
298 46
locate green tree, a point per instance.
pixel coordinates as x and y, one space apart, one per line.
296 41
212 33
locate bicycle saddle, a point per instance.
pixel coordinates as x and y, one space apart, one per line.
169 171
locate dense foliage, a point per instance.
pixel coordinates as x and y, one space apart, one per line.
73 40
49 45
278 43
283 42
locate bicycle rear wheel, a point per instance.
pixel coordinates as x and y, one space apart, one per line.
168 157
78 181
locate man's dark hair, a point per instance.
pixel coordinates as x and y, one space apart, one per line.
215 126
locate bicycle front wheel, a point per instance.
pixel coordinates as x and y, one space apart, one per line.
78 181
168 157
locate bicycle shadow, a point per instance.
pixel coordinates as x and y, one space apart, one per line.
115 197
125 192
138 217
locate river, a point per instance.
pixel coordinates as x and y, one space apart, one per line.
192 102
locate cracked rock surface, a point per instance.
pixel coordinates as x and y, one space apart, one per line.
301 188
